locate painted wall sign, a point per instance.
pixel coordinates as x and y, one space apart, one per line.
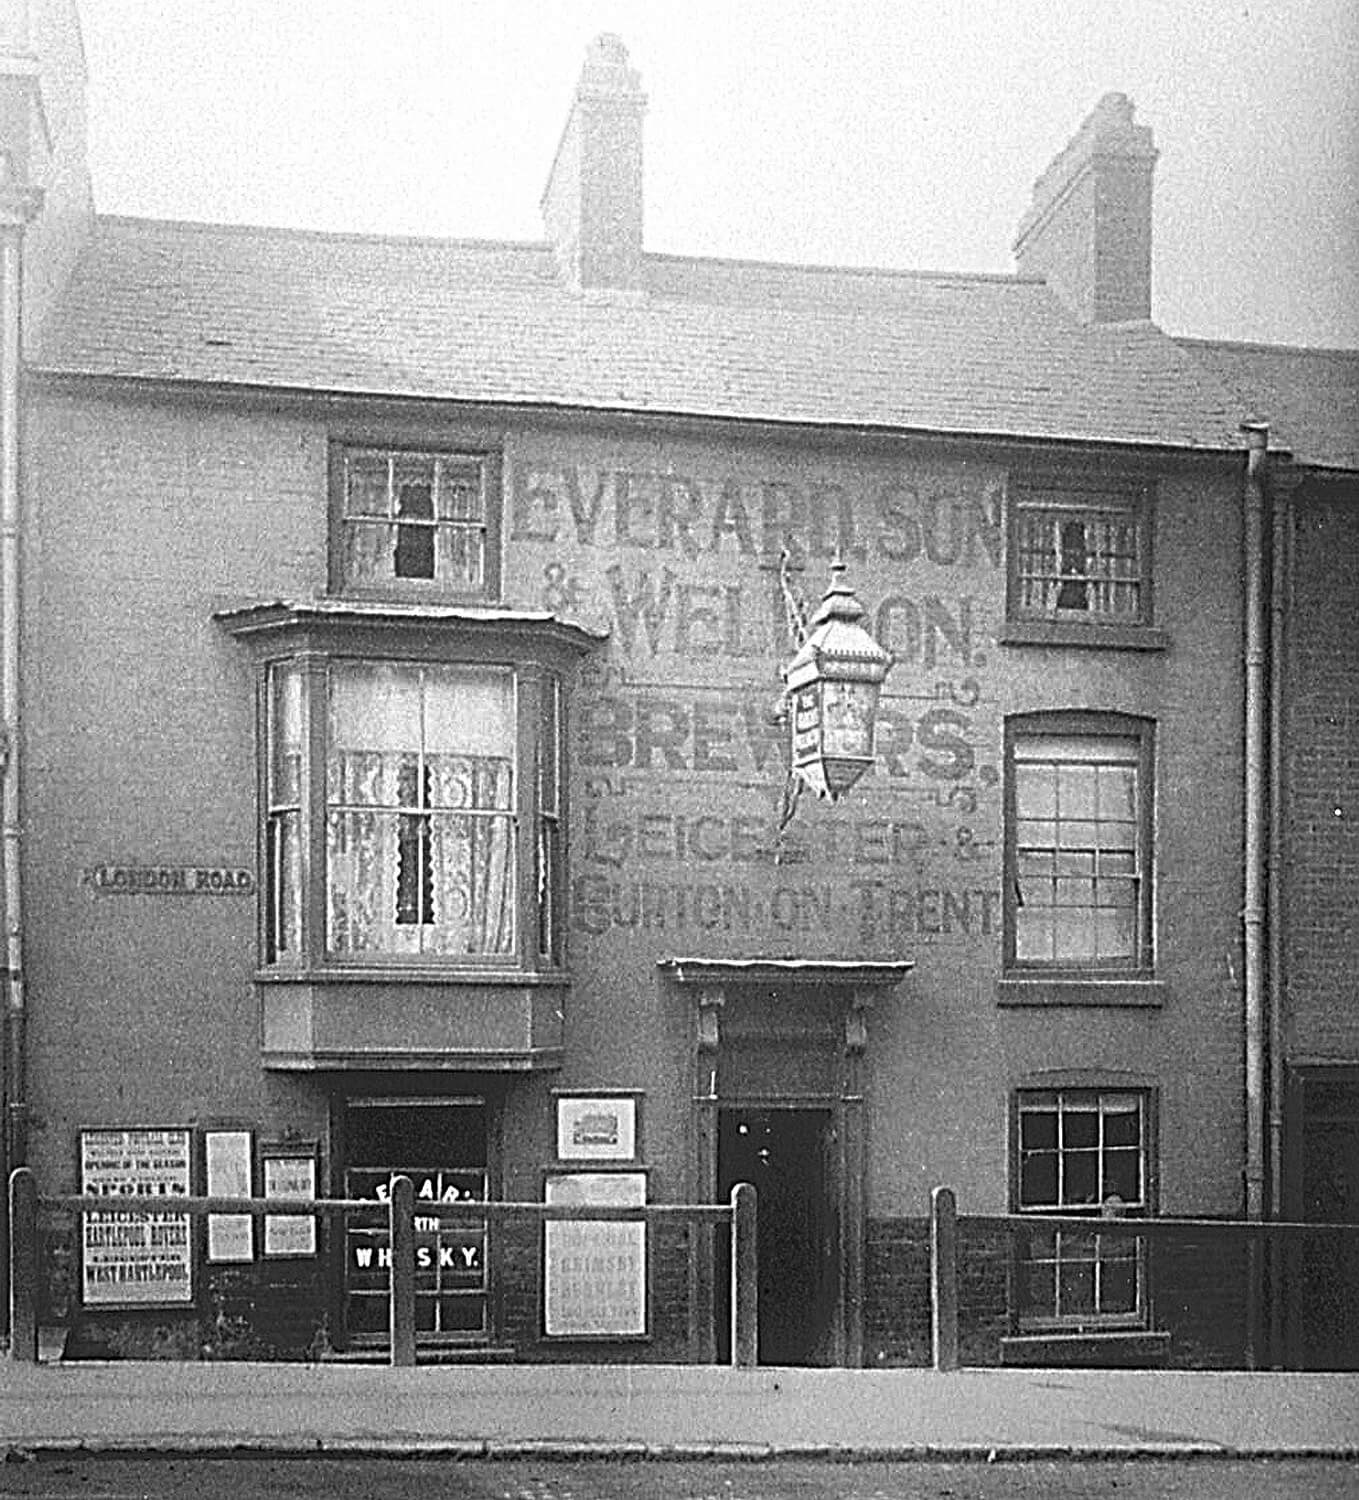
594 1275
135 1258
169 880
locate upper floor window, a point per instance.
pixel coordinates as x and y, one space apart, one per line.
1079 550
412 813
1078 843
415 522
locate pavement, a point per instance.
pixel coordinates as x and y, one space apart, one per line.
564 1411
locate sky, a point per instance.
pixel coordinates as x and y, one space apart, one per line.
895 133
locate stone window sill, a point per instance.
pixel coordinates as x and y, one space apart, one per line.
1076 633
1040 990
1137 1347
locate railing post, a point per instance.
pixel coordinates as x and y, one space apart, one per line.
23 1266
745 1279
401 1227
944 1278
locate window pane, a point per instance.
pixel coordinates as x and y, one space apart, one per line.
1122 1174
1080 1124
1076 1288
366 490
459 491
1118 793
1076 791
1038 1130
1035 791
375 706
461 557
1038 1179
285 734
1073 934
1118 1284
1033 934
361 866
470 712
1077 893
1080 1178
285 872
1122 1119
1116 933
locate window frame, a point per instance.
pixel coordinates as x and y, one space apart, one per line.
1141 1315
1071 627
488 460
1067 725
314 952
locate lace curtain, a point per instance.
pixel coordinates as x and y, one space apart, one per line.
420 819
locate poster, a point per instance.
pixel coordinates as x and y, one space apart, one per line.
289 1177
231 1237
135 1258
594 1275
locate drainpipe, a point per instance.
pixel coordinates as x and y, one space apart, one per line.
1281 572
18 204
1253 908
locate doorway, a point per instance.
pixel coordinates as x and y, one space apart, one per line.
786 1154
1324 1280
441 1145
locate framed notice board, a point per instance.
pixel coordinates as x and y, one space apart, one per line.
595 1274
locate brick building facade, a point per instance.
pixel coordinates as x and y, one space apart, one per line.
400 770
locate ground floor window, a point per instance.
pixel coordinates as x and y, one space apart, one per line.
1081 1151
440 1144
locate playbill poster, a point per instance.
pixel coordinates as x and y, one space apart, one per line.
135 1257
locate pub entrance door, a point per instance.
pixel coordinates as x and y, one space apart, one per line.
786 1154
440 1144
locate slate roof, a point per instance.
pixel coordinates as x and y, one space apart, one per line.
492 322
1309 397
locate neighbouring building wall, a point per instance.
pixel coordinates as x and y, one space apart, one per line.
1321 774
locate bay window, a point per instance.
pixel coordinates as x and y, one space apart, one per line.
415 805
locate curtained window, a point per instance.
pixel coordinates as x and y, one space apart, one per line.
413 812
1079 550
415 522
420 810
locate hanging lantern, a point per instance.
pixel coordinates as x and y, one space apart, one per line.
833 683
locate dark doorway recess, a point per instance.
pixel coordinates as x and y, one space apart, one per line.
1322 1284
786 1154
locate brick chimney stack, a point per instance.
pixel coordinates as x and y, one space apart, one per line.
592 206
1088 233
